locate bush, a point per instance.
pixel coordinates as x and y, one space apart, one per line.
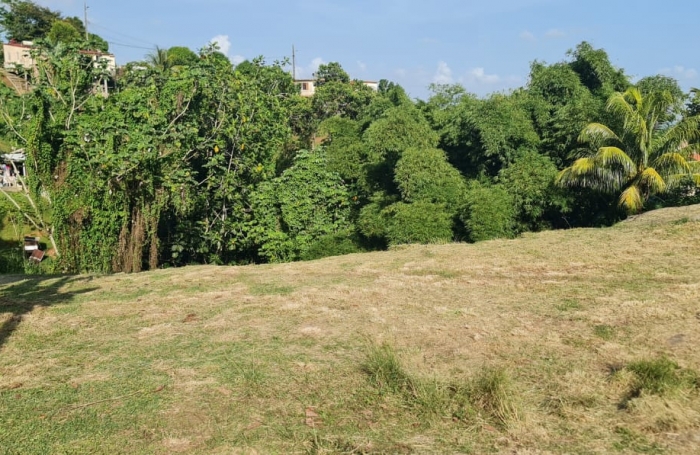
331 245
306 203
420 222
12 261
489 213
530 182
424 174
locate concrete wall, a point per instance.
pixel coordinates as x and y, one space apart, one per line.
17 55
308 86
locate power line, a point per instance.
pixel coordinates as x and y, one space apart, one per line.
128 37
130 45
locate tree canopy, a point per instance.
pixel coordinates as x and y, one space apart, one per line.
192 160
24 20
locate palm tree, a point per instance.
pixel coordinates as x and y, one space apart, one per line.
648 152
159 58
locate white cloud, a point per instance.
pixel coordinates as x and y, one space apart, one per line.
307 71
528 36
555 33
680 72
315 63
224 43
479 75
362 66
443 75
401 72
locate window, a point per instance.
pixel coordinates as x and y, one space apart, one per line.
305 86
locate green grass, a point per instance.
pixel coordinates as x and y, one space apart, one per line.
497 347
604 331
660 376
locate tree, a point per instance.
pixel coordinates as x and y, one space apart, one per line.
640 155
423 174
595 70
64 32
181 56
694 103
530 181
23 20
331 72
341 98
399 129
304 204
158 59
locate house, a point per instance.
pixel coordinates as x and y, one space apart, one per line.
18 57
308 86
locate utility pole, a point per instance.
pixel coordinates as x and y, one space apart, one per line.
294 63
87 35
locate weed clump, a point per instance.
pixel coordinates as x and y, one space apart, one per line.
491 391
489 394
658 377
385 372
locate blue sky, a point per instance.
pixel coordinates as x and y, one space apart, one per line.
485 45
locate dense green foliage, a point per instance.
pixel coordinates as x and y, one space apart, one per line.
193 160
24 20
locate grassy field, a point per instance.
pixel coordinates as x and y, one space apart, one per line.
581 341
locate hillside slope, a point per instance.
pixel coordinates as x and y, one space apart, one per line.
581 341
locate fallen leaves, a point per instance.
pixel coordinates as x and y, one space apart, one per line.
312 419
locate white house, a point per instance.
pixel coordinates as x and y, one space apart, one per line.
308 86
17 55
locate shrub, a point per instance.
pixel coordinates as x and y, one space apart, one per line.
420 222
530 182
295 210
424 174
331 245
489 212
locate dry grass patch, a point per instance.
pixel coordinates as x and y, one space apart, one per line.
509 346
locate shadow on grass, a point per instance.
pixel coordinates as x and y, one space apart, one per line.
20 295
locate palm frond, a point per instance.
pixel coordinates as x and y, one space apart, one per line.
631 199
652 181
684 133
597 133
614 156
628 106
588 173
672 163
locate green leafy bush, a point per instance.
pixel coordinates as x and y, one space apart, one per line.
489 213
424 174
331 245
294 211
530 182
420 222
